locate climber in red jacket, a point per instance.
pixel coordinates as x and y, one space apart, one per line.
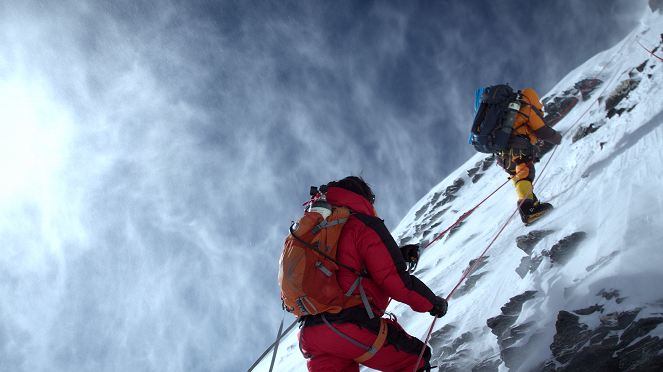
339 342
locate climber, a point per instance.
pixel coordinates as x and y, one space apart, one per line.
529 130
342 341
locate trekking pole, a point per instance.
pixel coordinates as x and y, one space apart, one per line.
278 337
272 345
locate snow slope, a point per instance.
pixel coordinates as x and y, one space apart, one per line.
591 275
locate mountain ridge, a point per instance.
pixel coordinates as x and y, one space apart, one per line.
578 290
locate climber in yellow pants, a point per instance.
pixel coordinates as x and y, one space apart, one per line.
529 129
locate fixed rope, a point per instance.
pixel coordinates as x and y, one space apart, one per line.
650 52
588 108
552 125
469 271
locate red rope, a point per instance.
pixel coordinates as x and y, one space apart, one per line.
650 52
467 214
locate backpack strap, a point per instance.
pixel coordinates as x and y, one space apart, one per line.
367 305
370 350
325 224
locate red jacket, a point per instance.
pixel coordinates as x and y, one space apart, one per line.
365 241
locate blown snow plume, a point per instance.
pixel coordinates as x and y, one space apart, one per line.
580 290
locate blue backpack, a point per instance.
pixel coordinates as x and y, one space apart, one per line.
496 109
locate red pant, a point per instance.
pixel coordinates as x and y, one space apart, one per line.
333 353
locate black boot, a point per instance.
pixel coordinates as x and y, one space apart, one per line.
531 211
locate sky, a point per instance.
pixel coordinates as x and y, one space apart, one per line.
154 153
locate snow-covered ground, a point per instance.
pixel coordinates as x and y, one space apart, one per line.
596 259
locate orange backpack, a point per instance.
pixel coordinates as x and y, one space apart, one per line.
307 268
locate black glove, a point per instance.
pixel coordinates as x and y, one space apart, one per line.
439 307
410 252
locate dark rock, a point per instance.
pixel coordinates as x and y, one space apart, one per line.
593 359
590 310
606 351
603 260
564 249
614 111
523 269
587 86
618 321
420 212
642 356
479 265
515 304
458 183
570 336
441 336
488 365
516 333
546 366
482 165
527 242
655 5
469 284
445 200
620 93
487 162
456 227
472 171
447 351
608 295
536 261
528 265
642 66
501 325
638 329
557 107
583 132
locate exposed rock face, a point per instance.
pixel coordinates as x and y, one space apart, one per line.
482 166
655 5
583 132
557 106
428 216
618 95
563 251
471 280
527 242
501 324
609 347
489 365
529 264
